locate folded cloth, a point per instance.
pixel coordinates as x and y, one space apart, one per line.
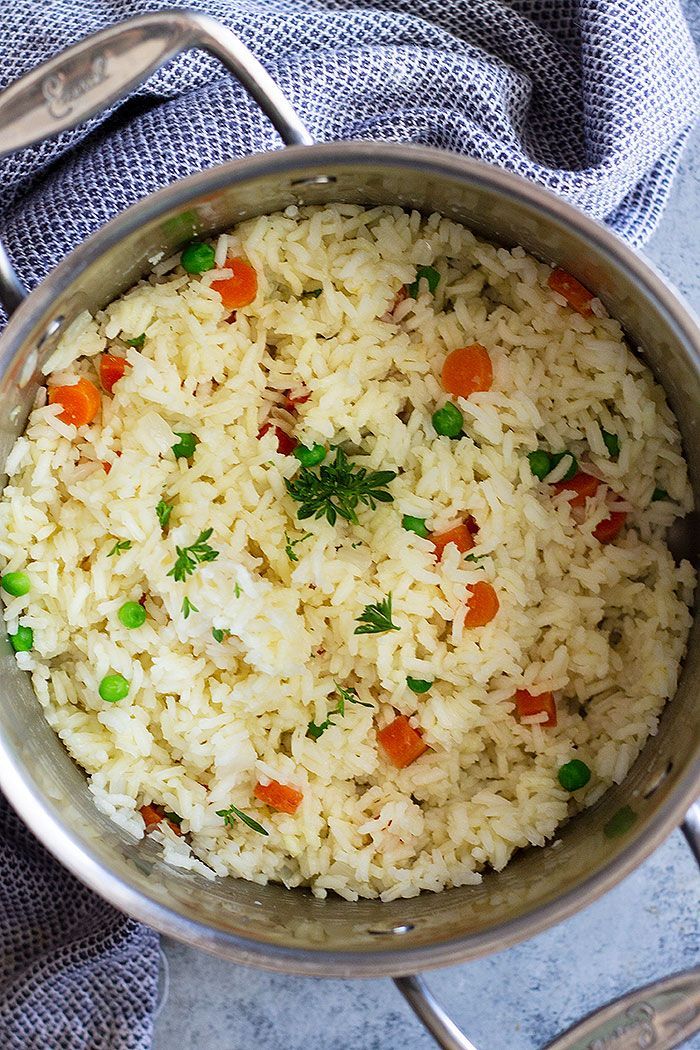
591 98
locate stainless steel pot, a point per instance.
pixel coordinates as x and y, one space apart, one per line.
270 926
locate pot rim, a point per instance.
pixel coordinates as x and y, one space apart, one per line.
68 847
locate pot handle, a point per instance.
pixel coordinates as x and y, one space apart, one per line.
99 70
663 1014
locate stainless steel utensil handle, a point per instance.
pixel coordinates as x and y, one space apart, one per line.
104 67
661 1015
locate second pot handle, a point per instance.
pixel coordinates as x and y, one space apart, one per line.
104 67
666 1011
99 70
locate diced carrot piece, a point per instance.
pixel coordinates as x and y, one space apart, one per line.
581 485
577 296
106 466
112 369
467 370
460 535
81 402
240 289
291 402
402 743
285 442
482 606
279 796
606 530
153 815
528 704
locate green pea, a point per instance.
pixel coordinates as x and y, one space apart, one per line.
612 443
418 685
448 421
310 457
15 583
23 641
113 688
658 494
556 459
132 615
184 448
620 823
540 463
198 257
574 775
416 525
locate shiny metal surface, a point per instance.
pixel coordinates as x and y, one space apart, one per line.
439 1024
270 926
662 1015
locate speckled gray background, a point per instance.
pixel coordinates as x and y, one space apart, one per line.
519 999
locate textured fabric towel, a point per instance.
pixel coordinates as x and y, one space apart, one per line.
592 98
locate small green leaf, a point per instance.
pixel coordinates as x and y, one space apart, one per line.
291 544
232 813
612 443
659 494
427 273
188 607
119 546
376 618
163 512
138 342
188 558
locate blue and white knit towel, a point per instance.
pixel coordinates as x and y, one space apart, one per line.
592 98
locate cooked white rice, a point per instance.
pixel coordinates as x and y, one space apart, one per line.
603 626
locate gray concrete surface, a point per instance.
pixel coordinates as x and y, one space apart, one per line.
519 999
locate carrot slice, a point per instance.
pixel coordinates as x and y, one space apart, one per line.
482 606
528 704
467 370
402 743
582 485
606 530
577 296
239 290
285 442
112 369
81 402
279 796
460 535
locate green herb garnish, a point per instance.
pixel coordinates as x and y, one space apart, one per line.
232 814
475 558
163 512
237 589
172 817
313 294
119 546
427 273
659 494
188 607
376 618
612 443
291 544
337 488
188 558
346 696
138 342
219 633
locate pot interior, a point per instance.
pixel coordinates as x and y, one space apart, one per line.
269 925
